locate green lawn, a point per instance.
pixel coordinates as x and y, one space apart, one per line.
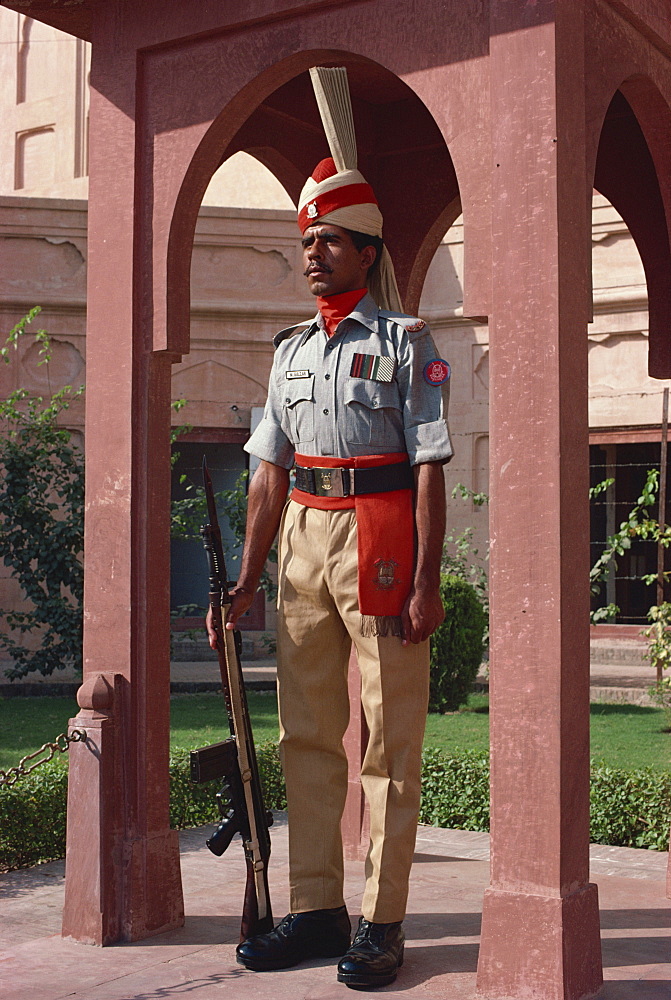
199 719
627 736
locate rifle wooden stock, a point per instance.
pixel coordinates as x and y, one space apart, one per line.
235 758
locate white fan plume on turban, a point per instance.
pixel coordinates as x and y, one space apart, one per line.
335 108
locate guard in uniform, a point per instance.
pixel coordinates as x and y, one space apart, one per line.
357 403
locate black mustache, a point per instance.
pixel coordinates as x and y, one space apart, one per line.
321 267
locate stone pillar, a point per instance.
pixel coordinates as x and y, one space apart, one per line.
126 592
540 926
356 817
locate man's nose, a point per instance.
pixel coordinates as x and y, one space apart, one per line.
314 251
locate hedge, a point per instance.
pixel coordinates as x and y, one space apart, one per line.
628 808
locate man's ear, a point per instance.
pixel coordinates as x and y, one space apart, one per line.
368 255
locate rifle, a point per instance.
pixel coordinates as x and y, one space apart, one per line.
240 798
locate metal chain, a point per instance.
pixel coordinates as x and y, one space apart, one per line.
60 744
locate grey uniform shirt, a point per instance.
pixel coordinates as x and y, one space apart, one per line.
317 407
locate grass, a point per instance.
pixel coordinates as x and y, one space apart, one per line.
467 729
199 719
629 736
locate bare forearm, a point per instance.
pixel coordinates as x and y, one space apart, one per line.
267 496
430 523
423 611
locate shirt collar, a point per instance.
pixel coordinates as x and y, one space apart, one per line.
365 312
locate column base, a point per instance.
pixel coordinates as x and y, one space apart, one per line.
154 886
540 947
116 889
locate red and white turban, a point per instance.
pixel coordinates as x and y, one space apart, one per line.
337 192
344 198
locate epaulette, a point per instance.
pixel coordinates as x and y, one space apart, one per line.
290 331
412 325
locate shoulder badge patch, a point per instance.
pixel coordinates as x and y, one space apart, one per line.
416 326
436 372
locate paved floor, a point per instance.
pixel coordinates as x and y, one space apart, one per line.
443 923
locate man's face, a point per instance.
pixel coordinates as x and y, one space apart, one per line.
331 262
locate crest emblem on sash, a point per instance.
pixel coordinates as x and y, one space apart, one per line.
326 481
386 574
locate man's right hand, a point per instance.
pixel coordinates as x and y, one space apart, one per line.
240 602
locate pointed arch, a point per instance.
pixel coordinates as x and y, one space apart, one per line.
633 170
402 152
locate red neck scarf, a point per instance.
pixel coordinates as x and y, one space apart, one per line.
334 308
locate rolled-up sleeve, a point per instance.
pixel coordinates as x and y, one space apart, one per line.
269 442
425 406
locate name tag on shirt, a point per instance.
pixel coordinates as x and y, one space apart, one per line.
373 366
300 373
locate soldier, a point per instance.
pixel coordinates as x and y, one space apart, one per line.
357 402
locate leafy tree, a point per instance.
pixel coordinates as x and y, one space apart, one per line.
190 513
41 521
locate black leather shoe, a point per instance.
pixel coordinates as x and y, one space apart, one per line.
297 937
375 956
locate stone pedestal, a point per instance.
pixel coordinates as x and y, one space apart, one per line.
92 910
545 947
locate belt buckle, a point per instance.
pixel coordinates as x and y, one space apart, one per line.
332 482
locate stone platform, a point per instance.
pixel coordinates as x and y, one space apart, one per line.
443 925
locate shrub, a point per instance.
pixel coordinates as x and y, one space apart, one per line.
32 817
455 790
456 646
194 805
33 811
628 808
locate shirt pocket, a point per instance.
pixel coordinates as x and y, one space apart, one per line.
372 412
298 407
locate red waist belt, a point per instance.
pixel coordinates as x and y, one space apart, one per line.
385 528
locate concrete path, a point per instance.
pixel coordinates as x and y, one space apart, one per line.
198 961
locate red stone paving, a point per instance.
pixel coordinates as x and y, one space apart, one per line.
197 962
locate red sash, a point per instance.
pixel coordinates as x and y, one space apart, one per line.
385 534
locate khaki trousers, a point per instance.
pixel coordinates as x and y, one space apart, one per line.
318 620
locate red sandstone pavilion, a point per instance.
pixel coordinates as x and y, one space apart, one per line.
510 112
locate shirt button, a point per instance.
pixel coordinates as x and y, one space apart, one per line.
330 347
288 399
326 412
327 375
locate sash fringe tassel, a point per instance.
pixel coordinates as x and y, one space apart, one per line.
372 625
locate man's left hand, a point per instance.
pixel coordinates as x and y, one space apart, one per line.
422 613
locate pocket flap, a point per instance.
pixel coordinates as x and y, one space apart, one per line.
375 395
299 390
